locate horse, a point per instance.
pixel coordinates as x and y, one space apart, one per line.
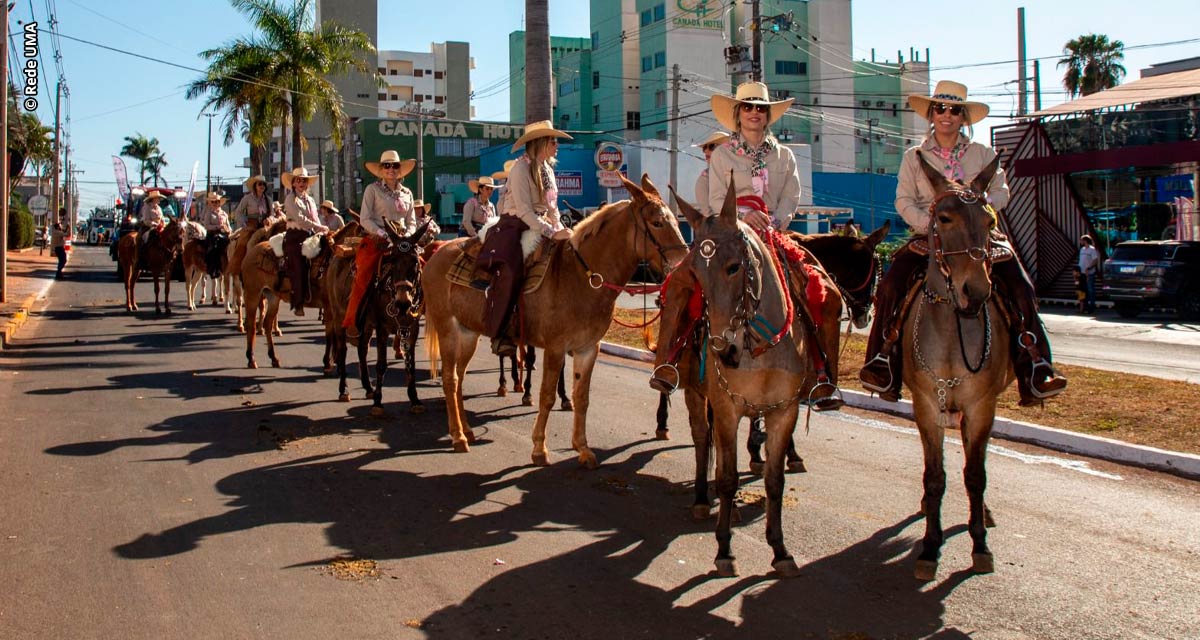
590 271
959 362
160 252
260 274
749 372
392 304
195 269
232 279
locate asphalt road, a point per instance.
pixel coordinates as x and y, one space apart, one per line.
154 488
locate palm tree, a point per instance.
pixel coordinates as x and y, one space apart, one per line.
1093 64
140 148
155 164
537 61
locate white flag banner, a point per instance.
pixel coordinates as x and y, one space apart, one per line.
187 202
122 177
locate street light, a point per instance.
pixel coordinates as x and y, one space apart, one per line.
208 169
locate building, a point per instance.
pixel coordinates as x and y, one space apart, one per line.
436 83
568 72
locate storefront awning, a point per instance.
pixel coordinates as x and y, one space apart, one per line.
1168 85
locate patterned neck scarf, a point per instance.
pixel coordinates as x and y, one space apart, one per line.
757 155
396 196
953 159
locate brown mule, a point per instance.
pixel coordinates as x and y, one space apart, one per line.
605 250
160 254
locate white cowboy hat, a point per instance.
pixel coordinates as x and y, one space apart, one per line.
249 183
214 196
716 137
539 129
724 107
421 204
376 168
328 204
483 181
953 94
298 172
154 194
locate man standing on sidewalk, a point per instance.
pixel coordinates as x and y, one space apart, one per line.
1089 264
58 244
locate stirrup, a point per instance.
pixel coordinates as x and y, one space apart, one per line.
830 402
887 363
661 384
1033 391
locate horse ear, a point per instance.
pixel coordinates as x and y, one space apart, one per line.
649 187
390 228
936 178
981 181
689 212
420 232
878 235
635 191
578 214
729 208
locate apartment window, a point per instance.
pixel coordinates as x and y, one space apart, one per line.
660 59
418 73
647 17
438 75
791 68
575 84
595 40
382 71
393 72
428 97
383 96
438 100
660 12
660 99
647 63
448 147
472 147
395 96
418 98
595 114
595 79
633 120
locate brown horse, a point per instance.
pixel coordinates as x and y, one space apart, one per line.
589 271
958 362
157 255
750 372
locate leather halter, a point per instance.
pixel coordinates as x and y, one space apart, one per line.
596 280
976 253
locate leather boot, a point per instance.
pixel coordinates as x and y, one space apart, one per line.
1036 378
881 373
504 347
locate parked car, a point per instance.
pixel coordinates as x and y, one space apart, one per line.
1160 273
39 237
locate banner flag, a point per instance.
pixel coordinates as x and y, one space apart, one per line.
187 202
122 178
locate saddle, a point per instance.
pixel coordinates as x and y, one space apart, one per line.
464 272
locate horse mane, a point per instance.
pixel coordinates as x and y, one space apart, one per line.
592 224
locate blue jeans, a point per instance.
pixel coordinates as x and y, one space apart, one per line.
1090 301
61 252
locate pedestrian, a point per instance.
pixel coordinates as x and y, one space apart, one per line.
302 222
948 147
478 210
384 201
1089 264
531 202
58 243
708 145
331 216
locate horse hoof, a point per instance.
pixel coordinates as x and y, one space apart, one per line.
519 388
470 435
982 563
251 365
241 329
588 459
345 397
378 412
327 371
275 363
926 570
988 520
756 468
417 408
726 568
701 512
796 466
567 406
527 401
502 392
662 434
229 312
461 447
540 460
786 568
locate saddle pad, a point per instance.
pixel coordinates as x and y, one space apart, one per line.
310 248
531 239
463 272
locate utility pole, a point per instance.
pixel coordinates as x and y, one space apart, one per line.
420 154
871 122
4 168
674 125
755 41
208 171
56 195
1037 85
1022 86
320 165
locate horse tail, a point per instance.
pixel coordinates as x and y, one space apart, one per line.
432 348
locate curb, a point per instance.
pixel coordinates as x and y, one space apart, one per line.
1182 464
9 329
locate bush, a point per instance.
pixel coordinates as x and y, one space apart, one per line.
20 226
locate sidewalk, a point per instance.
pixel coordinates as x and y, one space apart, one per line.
30 275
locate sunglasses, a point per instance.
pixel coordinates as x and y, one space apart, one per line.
761 108
554 141
941 108
708 147
390 165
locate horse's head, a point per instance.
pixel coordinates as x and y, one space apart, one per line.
960 223
851 261
400 268
173 236
655 234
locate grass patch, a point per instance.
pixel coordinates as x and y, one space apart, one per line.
1128 407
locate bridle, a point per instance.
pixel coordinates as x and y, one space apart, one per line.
851 295
745 313
388 284
597 281
976 253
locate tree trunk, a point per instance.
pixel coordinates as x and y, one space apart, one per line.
538 89
256 160
297 143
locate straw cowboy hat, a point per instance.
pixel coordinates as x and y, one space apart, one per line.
328 204
216 197
952 94
421 204
539 129
724 107
298 172
484 181
249 183
376 168
716 137
154 194
503 175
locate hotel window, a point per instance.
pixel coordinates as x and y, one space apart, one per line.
660 59
647 17
472 147
660 99
595 114
633 120
660 12
595 40
791 68
647 63
448 147
595 79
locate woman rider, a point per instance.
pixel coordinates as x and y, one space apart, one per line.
948 148
384 200
251 211
302 222
531 203
708 145
478 210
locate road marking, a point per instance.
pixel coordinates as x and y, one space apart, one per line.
1082 466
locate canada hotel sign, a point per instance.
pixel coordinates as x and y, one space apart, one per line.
698 14
449 129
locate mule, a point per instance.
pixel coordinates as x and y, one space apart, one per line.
750 372
959 360
589 270
156 255
392 305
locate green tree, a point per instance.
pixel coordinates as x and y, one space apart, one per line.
1093 64
141 148
155 164
538 88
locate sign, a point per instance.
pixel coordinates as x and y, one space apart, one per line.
609 156
698 14
610 179
39 205
570 183
122 178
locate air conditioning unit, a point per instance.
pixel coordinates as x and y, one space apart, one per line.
865 103
879 104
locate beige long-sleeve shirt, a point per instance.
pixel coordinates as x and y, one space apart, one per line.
702 194
914 193
782 189
301 212
379 204
476 214
251 207
523 202
215 220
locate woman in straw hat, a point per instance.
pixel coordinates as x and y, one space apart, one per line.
216 240
152 216
531 203
948 148
302 222
386 200
478 210
255 206
331 216
708 145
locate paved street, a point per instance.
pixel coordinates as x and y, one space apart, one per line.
154 488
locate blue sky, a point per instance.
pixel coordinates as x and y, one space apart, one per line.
114 95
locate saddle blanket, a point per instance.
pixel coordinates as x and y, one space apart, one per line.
194 231
463 272
310 248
